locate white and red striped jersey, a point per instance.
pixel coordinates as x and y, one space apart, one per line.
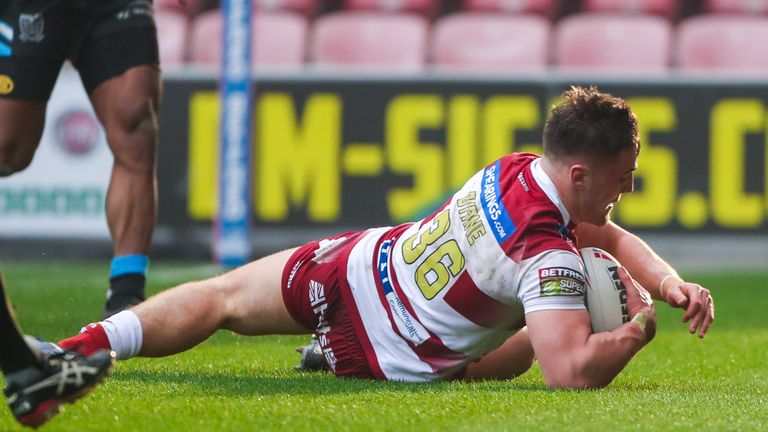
432 296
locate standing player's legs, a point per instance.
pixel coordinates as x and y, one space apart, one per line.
16 354
247 300
36 383
119 66
29 65
20 133
131 126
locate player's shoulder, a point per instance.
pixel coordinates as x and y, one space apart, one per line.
544 232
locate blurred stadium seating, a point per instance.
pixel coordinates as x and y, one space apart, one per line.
278 40
545 7
723 43
426 7
370 41
500 36
486 42
602 42
305 7
736 6
666 8
172 37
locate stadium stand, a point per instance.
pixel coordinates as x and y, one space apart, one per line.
723 43
736 6
599 42
305 7
171 37
486 42
485 36
667 8
544 7
191 8
279 40
426 7
370 41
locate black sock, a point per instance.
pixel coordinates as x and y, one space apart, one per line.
127 285
15 354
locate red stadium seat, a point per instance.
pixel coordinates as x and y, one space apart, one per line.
736 6
369 40
666 8
305 7
596 42
544 7
479 42
171 37
420 6
723 43
190 7
278 40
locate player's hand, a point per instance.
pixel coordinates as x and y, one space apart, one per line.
697 302
639 300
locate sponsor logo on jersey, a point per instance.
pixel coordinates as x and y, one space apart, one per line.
6 84
493 207
292 274
521 179
561 281
470 219
137 8
407 325
31 27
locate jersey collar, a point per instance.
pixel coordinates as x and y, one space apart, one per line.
548 186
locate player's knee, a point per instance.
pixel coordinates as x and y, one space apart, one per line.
13 161
134 137
5 170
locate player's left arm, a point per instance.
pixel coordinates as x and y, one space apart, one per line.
653 273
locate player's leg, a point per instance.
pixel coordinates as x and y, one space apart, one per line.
16 354
20 133
247 300
131 127
511 359
37 383
28 70
118 63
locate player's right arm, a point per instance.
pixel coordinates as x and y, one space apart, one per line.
571 356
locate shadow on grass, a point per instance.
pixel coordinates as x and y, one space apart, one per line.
314 384
325 384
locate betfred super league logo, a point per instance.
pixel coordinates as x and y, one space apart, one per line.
31 27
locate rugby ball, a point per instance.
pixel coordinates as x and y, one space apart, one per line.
606 296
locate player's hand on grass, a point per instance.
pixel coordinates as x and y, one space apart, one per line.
695 299
639 304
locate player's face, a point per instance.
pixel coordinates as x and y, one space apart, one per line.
605 182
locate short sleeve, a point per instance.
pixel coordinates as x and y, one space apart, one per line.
552 280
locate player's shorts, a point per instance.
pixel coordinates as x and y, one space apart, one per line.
102 39
312 294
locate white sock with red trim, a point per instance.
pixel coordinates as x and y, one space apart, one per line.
124 333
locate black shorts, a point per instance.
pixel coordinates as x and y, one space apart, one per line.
102 39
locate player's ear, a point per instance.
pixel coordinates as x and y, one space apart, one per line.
577 173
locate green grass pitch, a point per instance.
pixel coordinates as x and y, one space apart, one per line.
234 383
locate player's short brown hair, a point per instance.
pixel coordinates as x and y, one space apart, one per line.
590 123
